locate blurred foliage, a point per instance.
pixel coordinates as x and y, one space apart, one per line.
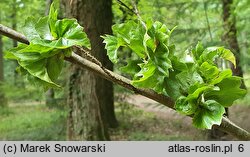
16 94
196 20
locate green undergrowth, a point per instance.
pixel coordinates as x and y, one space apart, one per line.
38 122
32 123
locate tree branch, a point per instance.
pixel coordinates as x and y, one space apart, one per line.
226 124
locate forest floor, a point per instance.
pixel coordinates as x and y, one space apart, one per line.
171 125
139 119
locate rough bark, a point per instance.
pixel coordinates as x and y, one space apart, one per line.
230 36
226 125
14 42
1 59
3 102
91 97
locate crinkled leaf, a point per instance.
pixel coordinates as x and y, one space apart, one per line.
29 29
123 30
229 91
155 83
52 20
185 107
160 59
197 93
208 114
177 64
208 71
137 41
228 55
131 34
42 28
147 70
71 33
50 41
188 78
159 32
112 45
210 53
222 75
132 67
198 51
172 86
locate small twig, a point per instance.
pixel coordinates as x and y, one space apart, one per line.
13 34
87 55
126 6
208 24
135 9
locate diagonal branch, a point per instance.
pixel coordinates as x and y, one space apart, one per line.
226 124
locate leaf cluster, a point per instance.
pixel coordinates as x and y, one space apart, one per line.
50 41
198 86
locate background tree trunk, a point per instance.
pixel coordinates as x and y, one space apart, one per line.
90 99
14 42
230 36
3 102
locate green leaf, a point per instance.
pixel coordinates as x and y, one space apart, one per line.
147 70
210 53
112 46
172 86
131 34
124 30
222 75
155 83
54 66
50 41
52 20
132 67
208 114
160 59
198 51
29 29
159 32
228 55
198 92
71 33
183 106
208 71
229 91
137 41
38 70
42 28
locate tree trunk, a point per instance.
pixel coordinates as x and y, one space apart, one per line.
14 42
90 97
3 100
230 36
